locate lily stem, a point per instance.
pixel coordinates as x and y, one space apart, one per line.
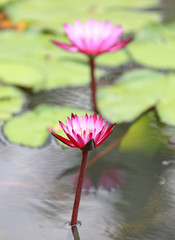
93 83
79 189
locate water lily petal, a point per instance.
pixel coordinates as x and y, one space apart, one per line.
120 45
65 46
64 140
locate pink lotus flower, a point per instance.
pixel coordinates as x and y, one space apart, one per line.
93 38
86 133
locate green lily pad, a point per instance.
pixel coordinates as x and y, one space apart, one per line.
129 18
35 62
21 74
154 46
53 14
133 94
166 105
137 91
169 26
11 101
30 128
5 2
113 59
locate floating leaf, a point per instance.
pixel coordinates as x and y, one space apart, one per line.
154 46
35 62
11 100
133 94
5 2
30 128
53 14
166 105
169 26
136 92
20 74
113 59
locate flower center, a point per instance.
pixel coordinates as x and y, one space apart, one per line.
86 130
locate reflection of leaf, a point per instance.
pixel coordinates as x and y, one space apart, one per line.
11 100
139 136
154 46
53 14
31 128
135 93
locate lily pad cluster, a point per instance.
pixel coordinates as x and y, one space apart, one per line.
33 127
53 14
136 92
30 65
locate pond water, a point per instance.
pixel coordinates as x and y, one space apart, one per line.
128 190
129 185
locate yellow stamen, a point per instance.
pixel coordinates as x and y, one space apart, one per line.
88 131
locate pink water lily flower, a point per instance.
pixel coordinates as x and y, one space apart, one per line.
93 38
85 133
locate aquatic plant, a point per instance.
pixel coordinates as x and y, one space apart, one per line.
86 134
93 39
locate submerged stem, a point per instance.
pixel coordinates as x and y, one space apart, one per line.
79 188
93 83
75 233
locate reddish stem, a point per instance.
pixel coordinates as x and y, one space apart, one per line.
93 83
78 190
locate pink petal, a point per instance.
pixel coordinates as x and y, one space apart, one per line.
99 123
73 141
65 46
102 140
107 133
80 141
72 116
104 128
63 127
108 130
120 45
64 140
88 137
97 137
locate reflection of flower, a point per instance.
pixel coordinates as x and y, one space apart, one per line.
109 179
93 38
87 183
82 131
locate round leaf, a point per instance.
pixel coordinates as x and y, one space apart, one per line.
53 14
20 74
31 128
133 94
154 46
166 105
11 100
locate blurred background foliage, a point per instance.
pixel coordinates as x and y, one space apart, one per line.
33 72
